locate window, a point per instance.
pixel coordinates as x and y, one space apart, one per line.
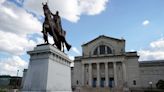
77 82
87 69
102 49
95 51
119 68
134 82
109 51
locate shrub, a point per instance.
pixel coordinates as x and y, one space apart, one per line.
160 84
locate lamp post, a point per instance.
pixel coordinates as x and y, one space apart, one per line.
150 83
17 72
16 80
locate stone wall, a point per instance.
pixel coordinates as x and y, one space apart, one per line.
151 71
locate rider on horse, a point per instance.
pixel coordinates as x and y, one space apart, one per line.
54 28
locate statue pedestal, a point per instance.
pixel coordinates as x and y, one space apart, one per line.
49 71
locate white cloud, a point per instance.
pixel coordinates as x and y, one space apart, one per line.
9 12
151 55
155 52
17 20
9 66
158 44
92 7
71 57
16 24
70 11
15 44
2 1
74 49
145 22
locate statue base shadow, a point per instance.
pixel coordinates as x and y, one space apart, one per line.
48 71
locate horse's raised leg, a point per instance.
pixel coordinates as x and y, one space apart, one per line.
67 45
63 46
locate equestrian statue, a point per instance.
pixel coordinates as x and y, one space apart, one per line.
52 26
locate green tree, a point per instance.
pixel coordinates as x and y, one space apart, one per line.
160 84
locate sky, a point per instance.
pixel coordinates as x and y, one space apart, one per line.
139 22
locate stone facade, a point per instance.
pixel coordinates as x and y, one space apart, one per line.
151 71
105 64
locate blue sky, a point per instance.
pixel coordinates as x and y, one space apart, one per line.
139 22
121 19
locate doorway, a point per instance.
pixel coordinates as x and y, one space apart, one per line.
94 82
111 82
102 82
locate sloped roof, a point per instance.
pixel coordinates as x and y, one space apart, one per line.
102 36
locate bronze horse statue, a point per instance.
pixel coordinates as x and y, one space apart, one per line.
53 28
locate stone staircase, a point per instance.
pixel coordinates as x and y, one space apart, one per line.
97 89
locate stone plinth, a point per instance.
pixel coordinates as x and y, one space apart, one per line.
49 71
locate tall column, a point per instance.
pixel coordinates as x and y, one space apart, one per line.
83 74
90 74
98 75
106 74
124 71
115 74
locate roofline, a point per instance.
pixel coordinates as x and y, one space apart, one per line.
152 61
102 36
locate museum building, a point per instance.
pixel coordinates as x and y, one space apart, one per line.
105 64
